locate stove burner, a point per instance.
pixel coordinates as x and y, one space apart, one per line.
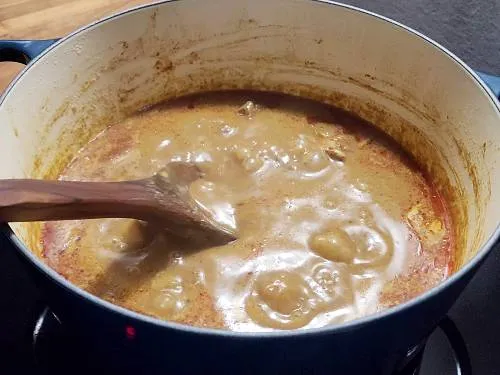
411 363
46 333
50 338
459 349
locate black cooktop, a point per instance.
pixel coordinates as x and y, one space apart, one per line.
470 335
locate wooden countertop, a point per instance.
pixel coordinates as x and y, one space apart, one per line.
43 19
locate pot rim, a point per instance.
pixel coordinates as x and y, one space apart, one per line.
6 230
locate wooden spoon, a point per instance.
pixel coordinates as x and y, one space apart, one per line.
163 198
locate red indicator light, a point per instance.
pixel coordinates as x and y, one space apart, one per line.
130 332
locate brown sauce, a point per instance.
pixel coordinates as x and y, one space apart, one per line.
335 221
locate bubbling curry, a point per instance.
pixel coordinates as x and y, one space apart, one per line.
335 220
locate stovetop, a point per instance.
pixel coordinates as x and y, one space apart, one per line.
473 326
55 349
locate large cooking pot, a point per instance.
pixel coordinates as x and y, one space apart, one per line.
414 89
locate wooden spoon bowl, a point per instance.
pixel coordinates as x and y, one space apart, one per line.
161 199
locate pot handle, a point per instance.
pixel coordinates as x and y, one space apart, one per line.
23 51
493 82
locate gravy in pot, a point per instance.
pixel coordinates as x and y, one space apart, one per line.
335 221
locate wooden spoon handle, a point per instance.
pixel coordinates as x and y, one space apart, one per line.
38 200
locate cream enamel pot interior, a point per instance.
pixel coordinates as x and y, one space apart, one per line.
417 91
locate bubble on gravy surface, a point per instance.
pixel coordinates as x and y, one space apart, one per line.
335 221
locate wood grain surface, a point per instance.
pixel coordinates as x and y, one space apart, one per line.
42 19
